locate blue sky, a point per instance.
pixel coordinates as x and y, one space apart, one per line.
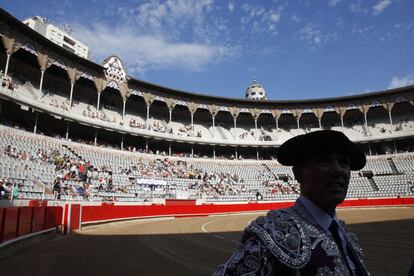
297 49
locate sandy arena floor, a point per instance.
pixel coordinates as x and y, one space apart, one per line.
196 246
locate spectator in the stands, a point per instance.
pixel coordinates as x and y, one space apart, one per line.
16 190
57 188
3 191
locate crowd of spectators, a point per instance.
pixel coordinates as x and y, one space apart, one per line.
88 112
165 168
280 187
63 105
158 127
401 124
244 135
7 81
79 177
135 124
217 185
187 131
8 188
264 135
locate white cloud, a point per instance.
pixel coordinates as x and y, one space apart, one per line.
397 82
295 18
311 34
170 18
340 23
143 53
231 6
333 3
380 6
356 8
160 35
274 16
260 20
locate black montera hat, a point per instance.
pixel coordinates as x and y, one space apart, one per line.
301 147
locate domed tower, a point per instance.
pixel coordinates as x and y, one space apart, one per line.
255 91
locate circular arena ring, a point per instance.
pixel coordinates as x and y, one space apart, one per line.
197 245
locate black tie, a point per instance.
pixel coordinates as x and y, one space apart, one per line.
333 228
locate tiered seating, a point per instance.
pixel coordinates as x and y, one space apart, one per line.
221 133
404 163
400 185
281 135
378 165
354 132
130 176
377 126
205 133
360 187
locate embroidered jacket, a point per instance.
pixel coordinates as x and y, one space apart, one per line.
289 242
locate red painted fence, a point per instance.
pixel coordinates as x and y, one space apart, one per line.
113 212
20 221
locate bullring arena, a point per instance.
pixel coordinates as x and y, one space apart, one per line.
104 174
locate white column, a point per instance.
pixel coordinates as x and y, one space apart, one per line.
214 119
297 122
389 115
365 120
122 142
342 121
320 123
96 136
98 101
235 153
123 109
169 149
255 123
257 153
170 115
235 125
67 131
71 94
192 151
147 121
366 123
35 124
214 152
42 73
192 121
6 70
277 123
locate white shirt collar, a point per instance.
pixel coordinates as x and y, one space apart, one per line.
319 215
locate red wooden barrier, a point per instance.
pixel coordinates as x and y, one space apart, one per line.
53 217
107 212
19 221
111 212
75 217
37 203
10 223
377 202
180 202
2 217
39 219
24 226
15 222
